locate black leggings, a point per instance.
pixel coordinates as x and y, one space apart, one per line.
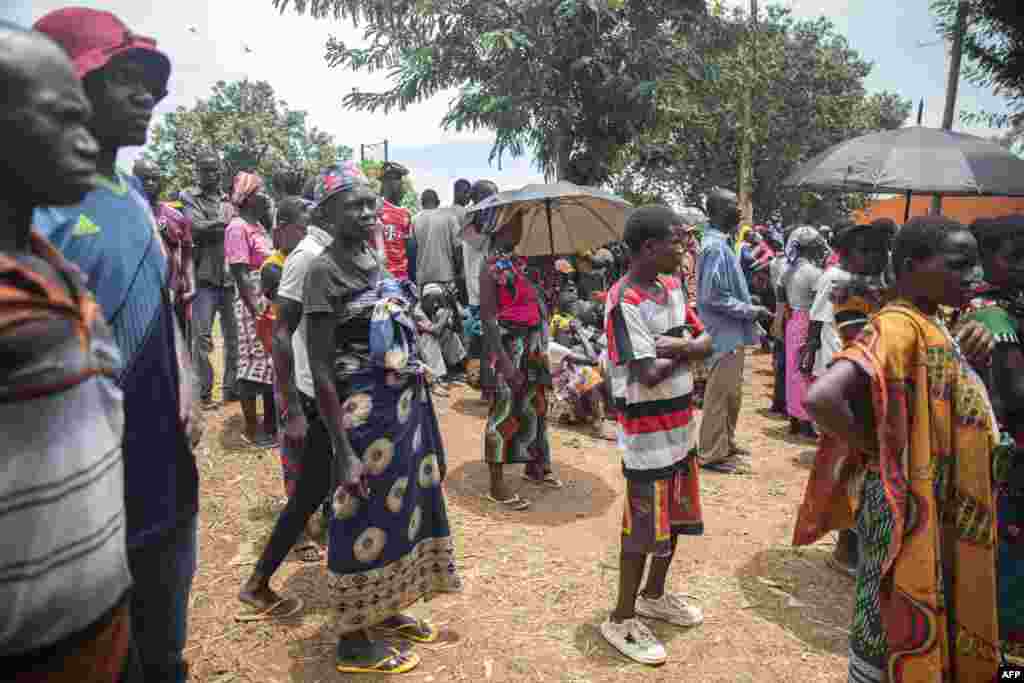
311 490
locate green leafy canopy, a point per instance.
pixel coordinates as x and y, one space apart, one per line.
251 130
569 81
808 94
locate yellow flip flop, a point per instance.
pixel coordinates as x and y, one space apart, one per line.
395 663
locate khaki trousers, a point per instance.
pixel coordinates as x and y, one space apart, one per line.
723 397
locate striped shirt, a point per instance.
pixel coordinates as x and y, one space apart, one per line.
655 422
62 517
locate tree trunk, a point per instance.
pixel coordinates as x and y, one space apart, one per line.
561 165
746 179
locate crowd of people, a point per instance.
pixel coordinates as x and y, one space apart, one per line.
896 350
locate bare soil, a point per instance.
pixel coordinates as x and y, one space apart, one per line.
539 583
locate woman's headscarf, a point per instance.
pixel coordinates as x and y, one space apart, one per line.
337 178
431 289
801 240
245 186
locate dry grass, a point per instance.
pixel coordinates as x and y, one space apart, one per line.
539 583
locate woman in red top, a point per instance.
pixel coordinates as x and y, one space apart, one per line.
516 341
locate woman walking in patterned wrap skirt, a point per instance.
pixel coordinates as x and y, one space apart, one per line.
515 328
246 247
390 544
918 433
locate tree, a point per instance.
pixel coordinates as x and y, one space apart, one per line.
570 81
994 51
808 90
372 169
251 130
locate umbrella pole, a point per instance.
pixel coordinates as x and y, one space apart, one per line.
551 228
906 212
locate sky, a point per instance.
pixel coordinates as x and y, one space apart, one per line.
288 51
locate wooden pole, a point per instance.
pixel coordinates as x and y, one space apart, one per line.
746 179
953 80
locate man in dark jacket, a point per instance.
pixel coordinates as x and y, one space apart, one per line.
209 211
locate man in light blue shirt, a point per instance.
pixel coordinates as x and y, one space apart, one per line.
725 308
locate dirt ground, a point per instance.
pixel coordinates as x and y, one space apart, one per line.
539 583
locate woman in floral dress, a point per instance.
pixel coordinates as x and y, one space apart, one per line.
389 543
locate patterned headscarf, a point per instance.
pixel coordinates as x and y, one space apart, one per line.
245 186
337 178
801 240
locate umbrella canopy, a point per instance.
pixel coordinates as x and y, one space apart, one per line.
915 159
560 218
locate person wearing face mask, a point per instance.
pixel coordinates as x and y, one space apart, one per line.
114 239
390 544
915 433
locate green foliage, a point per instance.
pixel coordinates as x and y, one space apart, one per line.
251 130
808 94
569 81
993 51
410 200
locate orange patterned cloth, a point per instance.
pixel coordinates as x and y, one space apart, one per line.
930 603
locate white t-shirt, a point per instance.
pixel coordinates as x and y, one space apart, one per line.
293 277
821 312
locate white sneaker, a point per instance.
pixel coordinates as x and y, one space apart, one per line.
670 608
633 639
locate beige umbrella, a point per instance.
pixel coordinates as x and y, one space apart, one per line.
559 218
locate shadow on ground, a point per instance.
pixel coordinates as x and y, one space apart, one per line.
782 434
585 494
231 437
795 589
473 407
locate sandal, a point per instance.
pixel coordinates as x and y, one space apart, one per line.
513 503
282 609
549 480
410 628
724 467
260 441
377 658
309 552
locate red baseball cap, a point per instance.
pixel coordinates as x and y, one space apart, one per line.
92 38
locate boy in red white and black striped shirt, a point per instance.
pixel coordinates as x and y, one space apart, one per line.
652 336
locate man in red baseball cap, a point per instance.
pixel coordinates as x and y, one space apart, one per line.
113 238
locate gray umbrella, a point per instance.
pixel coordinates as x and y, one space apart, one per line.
914 160
560 218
